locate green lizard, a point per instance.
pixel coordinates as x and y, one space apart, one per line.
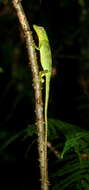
46 63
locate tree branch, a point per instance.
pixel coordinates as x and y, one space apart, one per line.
37 87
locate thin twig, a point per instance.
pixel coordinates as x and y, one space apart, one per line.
37 87
54 150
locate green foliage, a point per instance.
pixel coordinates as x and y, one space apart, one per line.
12 137
74 142
1 70
71 170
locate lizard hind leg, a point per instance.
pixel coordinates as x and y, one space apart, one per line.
42 74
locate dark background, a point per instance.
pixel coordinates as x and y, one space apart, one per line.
67 26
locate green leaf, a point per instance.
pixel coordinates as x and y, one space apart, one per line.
1 70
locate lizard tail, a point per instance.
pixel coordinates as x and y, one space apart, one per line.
46 120
46 104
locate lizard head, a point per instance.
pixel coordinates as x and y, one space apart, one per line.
41 33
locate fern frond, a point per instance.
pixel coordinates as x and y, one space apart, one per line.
85 184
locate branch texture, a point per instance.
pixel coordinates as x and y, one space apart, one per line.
37 87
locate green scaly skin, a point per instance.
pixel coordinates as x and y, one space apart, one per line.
46 62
